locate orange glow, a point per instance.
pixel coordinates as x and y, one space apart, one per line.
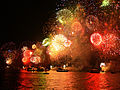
76 26
8 61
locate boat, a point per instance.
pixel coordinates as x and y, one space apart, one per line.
40 69
30 69
94 71
45 73
62 70
35 69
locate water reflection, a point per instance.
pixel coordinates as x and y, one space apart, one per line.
110 81
60 81
66 80
32 80
93 81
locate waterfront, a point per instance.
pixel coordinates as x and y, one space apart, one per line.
60 81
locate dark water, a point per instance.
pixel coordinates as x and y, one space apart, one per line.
59 81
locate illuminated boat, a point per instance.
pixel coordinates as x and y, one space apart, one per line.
35 69
30 69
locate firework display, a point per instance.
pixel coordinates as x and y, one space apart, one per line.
105 3
78 29
110 44
35 59
8 61
25 60
35 55
9 52
27 53
96 39
59 43
64 16
24 48
34 46
82 23
46 42
92 22
26 56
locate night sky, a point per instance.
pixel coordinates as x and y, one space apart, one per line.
25 20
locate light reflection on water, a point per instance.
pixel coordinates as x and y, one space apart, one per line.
61 81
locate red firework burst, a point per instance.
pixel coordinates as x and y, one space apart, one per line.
96 39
